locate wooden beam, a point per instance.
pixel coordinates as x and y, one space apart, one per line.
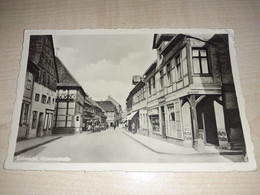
199 99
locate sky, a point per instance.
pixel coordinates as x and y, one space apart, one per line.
104 64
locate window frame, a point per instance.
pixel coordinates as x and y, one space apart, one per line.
161 72
34 119
37 97
178 67
43 99
169 73
200 62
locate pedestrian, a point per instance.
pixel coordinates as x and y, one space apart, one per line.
133 127
114 126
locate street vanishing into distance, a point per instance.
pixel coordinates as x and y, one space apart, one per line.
113 146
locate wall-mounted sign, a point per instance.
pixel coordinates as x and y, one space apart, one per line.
66 97
161 100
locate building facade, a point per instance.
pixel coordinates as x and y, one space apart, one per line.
69 103
40 89
118 113
191 94
110 112
93 114
137 109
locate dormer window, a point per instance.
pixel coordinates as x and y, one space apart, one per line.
200 61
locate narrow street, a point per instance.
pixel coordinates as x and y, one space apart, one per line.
112 146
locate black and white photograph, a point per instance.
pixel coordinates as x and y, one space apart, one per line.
133 100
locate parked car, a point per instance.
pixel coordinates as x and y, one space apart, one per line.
102 126
96 128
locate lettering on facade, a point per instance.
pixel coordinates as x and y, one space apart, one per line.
161 100
67 97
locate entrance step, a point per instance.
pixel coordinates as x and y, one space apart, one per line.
209 148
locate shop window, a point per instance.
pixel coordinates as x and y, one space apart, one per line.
200 61
34 119
172 116
37 97
155 122
24 114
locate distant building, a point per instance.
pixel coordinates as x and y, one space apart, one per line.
69 103
93 114
110 112
118 113
40 89
136 109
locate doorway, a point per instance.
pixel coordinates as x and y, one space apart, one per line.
206 118
163 122
40 124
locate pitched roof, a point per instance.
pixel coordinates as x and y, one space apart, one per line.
36 46
108 106
93 103
65 77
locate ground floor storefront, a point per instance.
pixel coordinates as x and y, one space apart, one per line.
194 121
35 122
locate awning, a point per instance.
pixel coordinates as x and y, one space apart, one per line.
130 116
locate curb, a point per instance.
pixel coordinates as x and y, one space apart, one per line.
217 153
144 144
35 146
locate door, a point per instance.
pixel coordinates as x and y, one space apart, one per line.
202 129
40 124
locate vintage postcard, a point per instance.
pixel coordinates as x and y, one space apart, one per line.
131 100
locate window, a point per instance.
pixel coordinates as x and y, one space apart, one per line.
52 100
178 67
44 78
29 81
150 87
24 114
48 81
169 75
49 100
44 99
34 120
172 116
37 97
200 62
184 61
161 79
155 122
153 80
159 54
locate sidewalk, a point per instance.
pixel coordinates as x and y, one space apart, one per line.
29 144
163 147
160 146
